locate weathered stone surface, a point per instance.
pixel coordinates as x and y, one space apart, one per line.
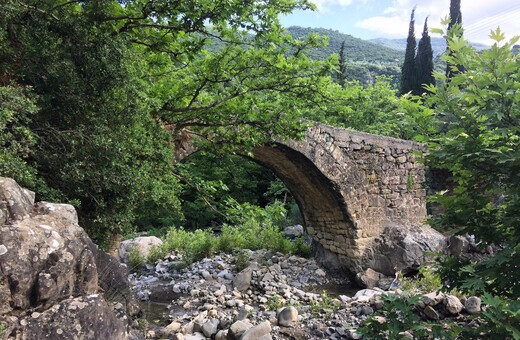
238 329
402 246
243 280
142 244
431 313
210 327
472 305
171 329
47 258
288 316
259 332
15 202
88 317
453 304
49 265
432 299
368 278
350 187
458 245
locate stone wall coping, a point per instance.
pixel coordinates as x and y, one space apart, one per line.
348 135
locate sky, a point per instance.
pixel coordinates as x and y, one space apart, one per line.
367 19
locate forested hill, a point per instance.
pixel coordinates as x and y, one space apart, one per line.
356 50
438 44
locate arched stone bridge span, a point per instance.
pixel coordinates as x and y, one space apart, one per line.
361 196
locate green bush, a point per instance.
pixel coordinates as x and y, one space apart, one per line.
301 247
428 280
398 317
134 260
241 261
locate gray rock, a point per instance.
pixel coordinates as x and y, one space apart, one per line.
242 281
472 305
293 231
431 313
288 316
49 257
142 245
237 329
365 310
16 203
210 327
403 246
195 336
259 332
221 335
432 299
89 317
368 278
453 304
458 245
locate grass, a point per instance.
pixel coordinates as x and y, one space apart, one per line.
198 244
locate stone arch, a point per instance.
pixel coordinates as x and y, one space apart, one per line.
361 195
320 200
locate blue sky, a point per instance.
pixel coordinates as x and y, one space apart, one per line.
368 19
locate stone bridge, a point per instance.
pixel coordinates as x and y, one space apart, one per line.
362 197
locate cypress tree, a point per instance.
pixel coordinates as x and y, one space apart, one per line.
424 62
342 70
408 69
455 19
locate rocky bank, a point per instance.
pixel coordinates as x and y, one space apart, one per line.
54 281
277 296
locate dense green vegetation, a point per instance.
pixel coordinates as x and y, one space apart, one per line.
364 61
109 83
94 93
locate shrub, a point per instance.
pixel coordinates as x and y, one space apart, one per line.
301 247
135 260
241 261
428 280
398 317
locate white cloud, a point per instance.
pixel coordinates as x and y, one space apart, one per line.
479 17
387 26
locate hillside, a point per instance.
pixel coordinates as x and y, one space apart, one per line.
365 60
357 50
438 44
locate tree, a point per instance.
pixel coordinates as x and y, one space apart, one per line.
408 69
424 62
113 81
481 150
342 69
454 31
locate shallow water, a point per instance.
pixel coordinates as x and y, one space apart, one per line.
156 313
335 289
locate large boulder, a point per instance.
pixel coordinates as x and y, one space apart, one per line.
142 245
52 271
85 317
403 247
47 258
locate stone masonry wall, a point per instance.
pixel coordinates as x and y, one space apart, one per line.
370 183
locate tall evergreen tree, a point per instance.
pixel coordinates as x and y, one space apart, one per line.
454 30
408 69
342 70
424 62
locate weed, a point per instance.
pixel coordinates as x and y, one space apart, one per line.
241 261
135 260
274 302
325 304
